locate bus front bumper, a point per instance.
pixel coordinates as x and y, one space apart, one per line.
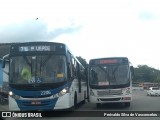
114 99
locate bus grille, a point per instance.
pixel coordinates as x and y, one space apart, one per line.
109 92
110 99
36 96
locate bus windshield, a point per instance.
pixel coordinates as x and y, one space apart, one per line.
37 69
108 75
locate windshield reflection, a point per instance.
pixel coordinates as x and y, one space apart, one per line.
37 69
105 75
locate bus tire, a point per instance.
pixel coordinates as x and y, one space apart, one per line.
74 104
75 101
98 105
127 104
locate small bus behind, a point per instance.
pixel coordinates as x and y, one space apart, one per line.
110 80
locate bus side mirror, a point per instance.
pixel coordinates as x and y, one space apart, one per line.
3 66
4 60
69 70
3 63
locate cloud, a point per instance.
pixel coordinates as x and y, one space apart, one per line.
33 30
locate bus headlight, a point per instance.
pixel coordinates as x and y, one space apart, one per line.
10 93
14 95
61 93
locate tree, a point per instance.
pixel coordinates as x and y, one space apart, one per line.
145 73
82 61
157 80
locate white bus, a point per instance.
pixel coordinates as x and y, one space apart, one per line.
110 80
52 79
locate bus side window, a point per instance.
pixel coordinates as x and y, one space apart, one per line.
74 67
82 75
69 66
79 76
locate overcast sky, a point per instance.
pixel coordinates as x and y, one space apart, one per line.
90 28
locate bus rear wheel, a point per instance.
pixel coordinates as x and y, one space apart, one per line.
127 104
75 101
98 105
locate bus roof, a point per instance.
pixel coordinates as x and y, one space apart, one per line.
109 58
32 43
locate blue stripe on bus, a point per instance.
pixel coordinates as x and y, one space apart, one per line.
46 104
36 93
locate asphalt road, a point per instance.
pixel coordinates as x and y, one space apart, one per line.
141 102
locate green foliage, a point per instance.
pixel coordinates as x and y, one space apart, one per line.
82 61
144 73
157 80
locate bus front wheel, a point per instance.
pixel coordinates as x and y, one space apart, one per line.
74 104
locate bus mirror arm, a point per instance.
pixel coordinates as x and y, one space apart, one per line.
4 60
3 63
